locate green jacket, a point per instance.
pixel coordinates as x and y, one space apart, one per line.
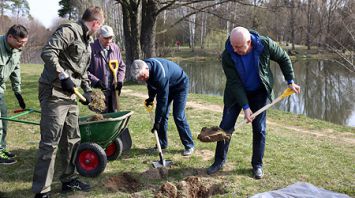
9 66
234 91
68 49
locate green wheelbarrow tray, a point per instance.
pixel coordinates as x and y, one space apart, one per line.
103 132
101 140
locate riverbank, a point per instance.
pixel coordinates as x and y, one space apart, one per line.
300 53
297 149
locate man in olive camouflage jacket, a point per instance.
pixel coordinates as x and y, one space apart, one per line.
66 57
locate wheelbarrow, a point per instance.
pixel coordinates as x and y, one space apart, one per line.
101 140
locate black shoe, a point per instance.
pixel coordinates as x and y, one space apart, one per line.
5 160
258 173
8 153
42 195
75 185
215 167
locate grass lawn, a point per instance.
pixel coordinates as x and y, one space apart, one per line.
297 149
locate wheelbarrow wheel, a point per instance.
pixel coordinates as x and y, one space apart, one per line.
90 160
114 150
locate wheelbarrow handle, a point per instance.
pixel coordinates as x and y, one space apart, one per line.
19 110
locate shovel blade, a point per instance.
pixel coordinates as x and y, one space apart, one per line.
164 163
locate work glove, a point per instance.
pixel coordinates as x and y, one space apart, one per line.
99 84
20 100
148 102
87 96
156 126
67 85
119 87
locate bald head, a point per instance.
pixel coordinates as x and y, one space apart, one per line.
240 40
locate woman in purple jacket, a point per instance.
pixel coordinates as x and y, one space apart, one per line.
104 50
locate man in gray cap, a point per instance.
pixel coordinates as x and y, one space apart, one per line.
104 51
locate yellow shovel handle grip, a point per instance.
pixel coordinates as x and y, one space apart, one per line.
77 93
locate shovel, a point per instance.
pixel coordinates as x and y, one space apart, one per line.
113 64
162 162
286 93
92 107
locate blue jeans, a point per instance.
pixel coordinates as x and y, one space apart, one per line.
230 114
178 96
3 123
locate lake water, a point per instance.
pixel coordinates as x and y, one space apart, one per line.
327 88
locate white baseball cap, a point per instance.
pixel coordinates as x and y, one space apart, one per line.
106 31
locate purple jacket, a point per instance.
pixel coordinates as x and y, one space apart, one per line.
99 69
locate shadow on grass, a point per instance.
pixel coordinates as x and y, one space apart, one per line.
22 171
180 173
134 152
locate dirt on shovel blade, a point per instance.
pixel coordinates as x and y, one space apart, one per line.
98 102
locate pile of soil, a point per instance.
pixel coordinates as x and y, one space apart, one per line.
123 182
95 117
98 102
191 186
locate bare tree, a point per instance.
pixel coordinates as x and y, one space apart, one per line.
20 8
203 29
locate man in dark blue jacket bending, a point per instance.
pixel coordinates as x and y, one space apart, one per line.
167 81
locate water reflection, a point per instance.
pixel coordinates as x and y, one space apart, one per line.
327 91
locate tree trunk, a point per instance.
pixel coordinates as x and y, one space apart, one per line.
149 16
192 28
203 29
292 23
131 33
309 24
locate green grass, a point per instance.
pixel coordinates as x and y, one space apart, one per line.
297 149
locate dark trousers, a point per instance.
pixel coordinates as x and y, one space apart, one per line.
230 114
179 97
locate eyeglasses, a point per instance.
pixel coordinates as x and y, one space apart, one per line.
107 38
20 40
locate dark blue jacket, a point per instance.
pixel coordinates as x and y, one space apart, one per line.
249 74
164 77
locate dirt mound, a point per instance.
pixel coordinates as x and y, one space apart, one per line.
96 117
167 190
190 187
124 182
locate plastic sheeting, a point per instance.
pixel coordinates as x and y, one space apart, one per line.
300 190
